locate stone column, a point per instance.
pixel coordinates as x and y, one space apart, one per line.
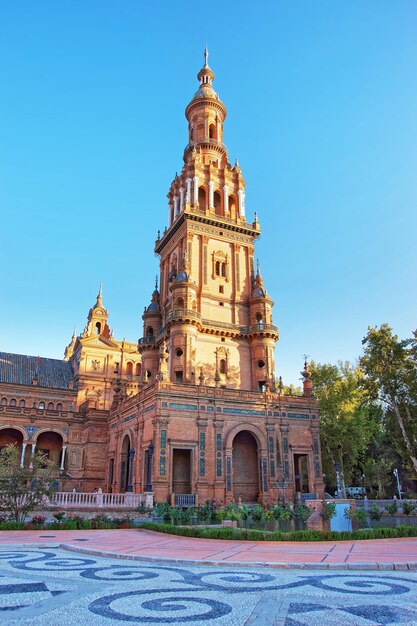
241 197
195 189
22 456
169 213
182 197
226 199
32 454
176 211
211 194
188 194
64 448
131 461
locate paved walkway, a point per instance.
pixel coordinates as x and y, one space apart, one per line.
150 546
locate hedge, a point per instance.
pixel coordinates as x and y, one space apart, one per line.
296 535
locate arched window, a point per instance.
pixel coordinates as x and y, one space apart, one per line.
149 331
138 369
259 319
180 303
217 268
12 402
212 131
202 198
59 407
41 405
22 404
50 406
217 203
222 366
98 328
223 269
3 402
129 368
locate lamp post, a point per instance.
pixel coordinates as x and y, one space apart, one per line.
342 475
395 472
363 486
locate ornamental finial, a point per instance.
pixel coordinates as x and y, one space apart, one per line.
206 56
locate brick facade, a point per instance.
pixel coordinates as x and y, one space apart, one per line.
194 409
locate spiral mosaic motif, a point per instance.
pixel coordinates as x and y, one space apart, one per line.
111 591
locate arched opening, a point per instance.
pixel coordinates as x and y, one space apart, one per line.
222 366
245 467
232 206
125 464
22 404
129 368
259 319
3 402
12 402
180 303
98 328
149 331
10 437
212 131
50 406
217 203
202 198
138 369
50 445
59 407
41 406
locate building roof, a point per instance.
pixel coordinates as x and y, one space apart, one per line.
21 369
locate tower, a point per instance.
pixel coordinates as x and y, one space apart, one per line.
215 313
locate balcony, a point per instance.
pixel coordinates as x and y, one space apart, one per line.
183 314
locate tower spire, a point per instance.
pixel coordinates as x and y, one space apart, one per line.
206 53
100 296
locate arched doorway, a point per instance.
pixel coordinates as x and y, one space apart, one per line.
124 464
50 445
245 467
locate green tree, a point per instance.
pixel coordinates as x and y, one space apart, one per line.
348 419
23 490
390 377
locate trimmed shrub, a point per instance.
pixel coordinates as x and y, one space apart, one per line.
304 535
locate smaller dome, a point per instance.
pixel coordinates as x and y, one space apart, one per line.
182 277
258 293
153 308
205 91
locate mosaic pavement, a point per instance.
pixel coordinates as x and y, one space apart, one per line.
51 586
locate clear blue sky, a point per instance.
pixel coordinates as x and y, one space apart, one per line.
322 101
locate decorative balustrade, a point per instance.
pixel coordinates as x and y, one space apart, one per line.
185 499
183 314
79 500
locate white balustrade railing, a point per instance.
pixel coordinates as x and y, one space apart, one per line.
74 500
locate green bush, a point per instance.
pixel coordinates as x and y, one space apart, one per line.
302 511
12 525
408 507
375 512
328 509
392 508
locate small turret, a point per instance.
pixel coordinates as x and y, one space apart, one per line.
264 335
97 319
69 350
306 378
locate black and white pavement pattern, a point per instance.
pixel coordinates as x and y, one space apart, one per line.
51 586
